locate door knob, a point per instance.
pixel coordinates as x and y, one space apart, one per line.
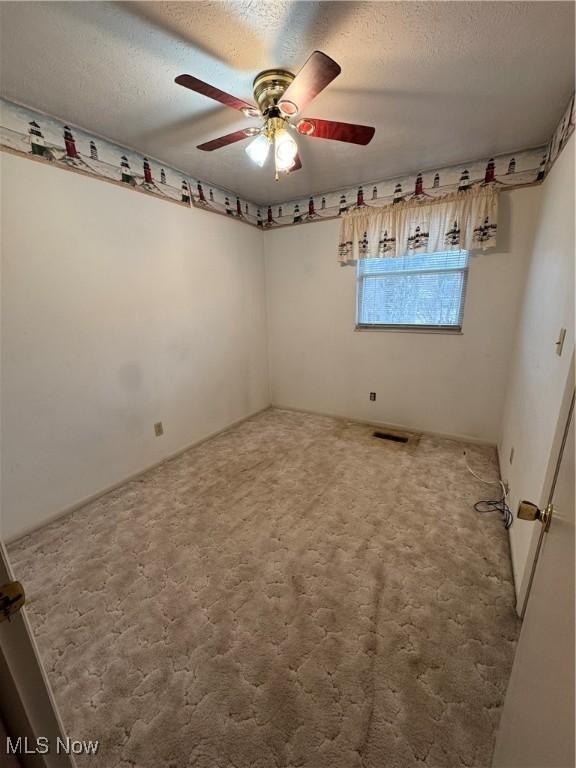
529 511
12 598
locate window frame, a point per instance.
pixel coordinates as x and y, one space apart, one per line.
414 327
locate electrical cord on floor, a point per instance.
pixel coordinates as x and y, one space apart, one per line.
492 505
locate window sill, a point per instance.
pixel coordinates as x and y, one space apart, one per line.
409 329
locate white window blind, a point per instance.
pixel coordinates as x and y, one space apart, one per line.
424 290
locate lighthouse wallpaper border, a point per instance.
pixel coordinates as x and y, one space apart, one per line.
27 132
44 138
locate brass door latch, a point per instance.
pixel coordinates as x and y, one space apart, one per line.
529 511
12 598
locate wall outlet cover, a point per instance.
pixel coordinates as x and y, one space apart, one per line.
158 429
372 396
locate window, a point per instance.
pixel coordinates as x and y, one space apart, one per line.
417 291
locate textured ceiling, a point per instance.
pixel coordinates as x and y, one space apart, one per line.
442 82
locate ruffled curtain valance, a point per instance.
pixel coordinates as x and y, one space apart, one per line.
465 220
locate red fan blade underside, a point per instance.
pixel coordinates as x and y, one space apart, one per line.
223 141
188 81
297 164
329 129
314 76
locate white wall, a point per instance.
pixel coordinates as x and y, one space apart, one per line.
118 310
538 376
436 382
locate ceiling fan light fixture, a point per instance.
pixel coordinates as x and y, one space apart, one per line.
285 150
281 96
258 149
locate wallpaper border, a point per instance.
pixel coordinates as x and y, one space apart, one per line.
37 136
29 133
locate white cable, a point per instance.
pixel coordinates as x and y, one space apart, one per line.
492 506
483 480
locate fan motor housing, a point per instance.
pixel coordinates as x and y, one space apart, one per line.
269 86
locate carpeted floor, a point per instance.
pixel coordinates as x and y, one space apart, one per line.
293 592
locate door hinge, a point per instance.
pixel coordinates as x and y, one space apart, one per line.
12 598
529 511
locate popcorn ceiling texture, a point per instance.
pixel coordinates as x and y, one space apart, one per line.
293 592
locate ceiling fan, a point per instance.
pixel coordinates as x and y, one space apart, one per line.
281 96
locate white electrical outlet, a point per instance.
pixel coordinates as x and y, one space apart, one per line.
158 429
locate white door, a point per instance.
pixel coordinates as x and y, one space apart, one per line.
27 706
537 725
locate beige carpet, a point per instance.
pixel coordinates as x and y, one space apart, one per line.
291 593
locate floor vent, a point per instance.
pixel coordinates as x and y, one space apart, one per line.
391 436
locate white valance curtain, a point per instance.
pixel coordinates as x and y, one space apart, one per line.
465 220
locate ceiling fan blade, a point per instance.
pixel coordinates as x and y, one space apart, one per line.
314 76
297 164
329 129
188 81
229 138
